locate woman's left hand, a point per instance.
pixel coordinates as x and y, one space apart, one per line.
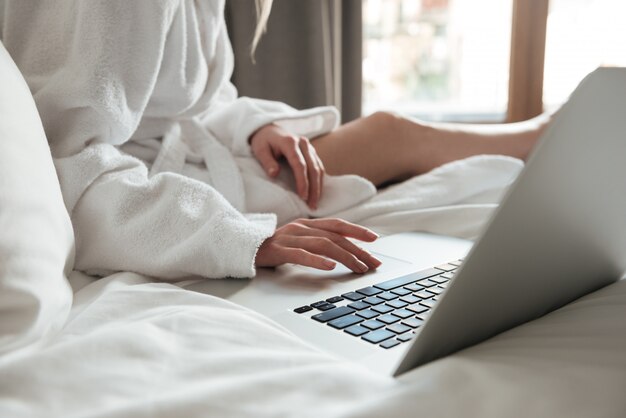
271 142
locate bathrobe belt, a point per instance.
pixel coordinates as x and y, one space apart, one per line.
187 141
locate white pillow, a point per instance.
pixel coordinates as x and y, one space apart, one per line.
36 238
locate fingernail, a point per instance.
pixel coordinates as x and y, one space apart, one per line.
272 171
373 234
362 267
329 264
377 262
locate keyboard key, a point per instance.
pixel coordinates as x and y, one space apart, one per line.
406 337
423 294
401 291
327 307
358 305
356 330
423 316
378 336
449 275
456 263
404 280
334 299
436 290
427 283
383 309
410 299
373 300
413 322
417 308
372 324
354 296
440 279
318 304
444 285
303 309
398 328
414 287
368 314
345 321
390 343
403 313
333 314
369 291
398 282
397 304
428 303
388 319
387 296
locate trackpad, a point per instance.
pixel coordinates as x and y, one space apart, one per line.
343 273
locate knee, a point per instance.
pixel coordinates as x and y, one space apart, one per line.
387 124
384 118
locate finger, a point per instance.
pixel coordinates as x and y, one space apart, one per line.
341 227
320 164
266 158
326 247
298 166
367 258
313 172
305 258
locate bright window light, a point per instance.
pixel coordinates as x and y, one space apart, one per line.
437 59
581 36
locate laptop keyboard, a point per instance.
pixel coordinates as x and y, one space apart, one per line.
388 313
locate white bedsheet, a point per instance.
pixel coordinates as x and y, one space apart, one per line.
135 348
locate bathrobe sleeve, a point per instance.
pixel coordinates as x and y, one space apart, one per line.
91 100
233 120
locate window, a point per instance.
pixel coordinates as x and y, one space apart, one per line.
437 59
483 60
581 36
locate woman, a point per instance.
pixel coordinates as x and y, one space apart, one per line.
167 173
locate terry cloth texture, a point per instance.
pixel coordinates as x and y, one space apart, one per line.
150 140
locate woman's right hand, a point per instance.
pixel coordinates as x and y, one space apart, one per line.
315 243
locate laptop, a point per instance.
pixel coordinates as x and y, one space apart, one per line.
558 234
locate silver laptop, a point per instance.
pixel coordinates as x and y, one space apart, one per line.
559 234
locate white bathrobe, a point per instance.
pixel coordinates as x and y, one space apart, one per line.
150 140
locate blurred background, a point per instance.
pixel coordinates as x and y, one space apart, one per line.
441 60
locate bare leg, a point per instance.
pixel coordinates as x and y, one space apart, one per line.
384 147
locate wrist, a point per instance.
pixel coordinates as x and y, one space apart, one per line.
259 131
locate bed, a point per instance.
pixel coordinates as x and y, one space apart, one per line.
126 345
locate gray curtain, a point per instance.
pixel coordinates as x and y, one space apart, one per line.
310 56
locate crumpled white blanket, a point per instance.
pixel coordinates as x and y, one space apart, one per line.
455 199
